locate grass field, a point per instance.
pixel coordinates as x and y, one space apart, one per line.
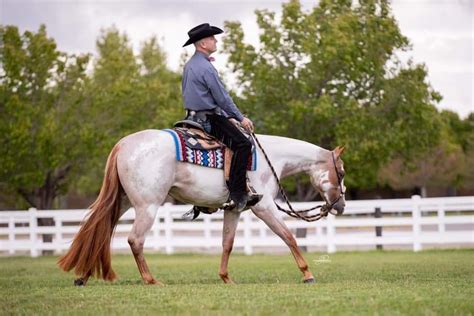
425 283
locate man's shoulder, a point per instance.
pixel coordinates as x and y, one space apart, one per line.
197 62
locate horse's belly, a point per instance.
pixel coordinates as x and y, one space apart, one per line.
199 185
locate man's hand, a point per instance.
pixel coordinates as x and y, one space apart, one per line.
247 124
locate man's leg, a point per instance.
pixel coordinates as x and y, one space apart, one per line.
231 136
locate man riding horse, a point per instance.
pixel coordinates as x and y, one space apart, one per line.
208 103
144 167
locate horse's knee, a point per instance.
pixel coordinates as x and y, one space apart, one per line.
136 243
227 247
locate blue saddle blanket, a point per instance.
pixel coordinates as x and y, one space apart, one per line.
193 148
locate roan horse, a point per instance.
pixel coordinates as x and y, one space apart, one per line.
144 167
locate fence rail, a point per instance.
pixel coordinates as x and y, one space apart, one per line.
415 223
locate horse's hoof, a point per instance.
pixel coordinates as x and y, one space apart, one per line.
79 282
312 280
154 282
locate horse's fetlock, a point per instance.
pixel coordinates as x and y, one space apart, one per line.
223 274
304 268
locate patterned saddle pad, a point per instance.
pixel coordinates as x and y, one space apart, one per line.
196 147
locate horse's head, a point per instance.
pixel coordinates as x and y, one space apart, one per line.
328 178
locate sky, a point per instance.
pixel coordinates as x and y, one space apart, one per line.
441 31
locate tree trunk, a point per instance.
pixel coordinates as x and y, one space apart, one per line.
305 191
43 197
451 191
421 191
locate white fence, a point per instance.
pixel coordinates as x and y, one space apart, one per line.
414 223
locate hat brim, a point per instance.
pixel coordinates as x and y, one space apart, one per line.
209 32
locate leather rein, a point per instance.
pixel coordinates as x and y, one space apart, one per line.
324 208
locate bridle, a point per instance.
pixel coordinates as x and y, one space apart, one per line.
324 208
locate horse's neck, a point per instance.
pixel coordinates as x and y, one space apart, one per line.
292 156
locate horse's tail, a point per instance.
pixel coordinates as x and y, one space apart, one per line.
90 250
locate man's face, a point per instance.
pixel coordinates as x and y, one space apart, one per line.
209 44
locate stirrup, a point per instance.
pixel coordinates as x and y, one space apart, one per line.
252 199
190 215
194 212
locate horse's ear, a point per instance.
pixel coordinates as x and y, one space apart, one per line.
339 150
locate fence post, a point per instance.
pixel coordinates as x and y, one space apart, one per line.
156 231
330 233
441 219
301 233
207 231
378 229
33 232
247 233
11 235
168 230
416 215
58 234
318 234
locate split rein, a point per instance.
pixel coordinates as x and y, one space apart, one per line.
324 208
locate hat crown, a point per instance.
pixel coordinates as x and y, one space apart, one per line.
195 30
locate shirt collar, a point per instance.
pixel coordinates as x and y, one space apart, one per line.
202 55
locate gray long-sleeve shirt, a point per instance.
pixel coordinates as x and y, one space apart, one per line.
203 89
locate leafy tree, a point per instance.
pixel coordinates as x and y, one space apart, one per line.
446 166
129 93
467 142
462 131
58 124
331 76
441 167
44 140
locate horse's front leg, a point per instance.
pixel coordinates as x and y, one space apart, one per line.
231 219
279 228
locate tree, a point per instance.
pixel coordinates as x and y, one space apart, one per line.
58 124
44 139
331 76
445 166
129 93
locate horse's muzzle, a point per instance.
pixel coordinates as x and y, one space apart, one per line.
339 206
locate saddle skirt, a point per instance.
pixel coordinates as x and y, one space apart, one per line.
197 147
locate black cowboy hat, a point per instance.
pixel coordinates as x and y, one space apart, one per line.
202 31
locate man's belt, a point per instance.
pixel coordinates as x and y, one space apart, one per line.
203 113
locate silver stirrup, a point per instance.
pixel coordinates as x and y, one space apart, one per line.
189 215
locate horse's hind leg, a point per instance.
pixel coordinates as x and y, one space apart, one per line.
144 218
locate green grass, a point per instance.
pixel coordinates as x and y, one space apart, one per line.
394 283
